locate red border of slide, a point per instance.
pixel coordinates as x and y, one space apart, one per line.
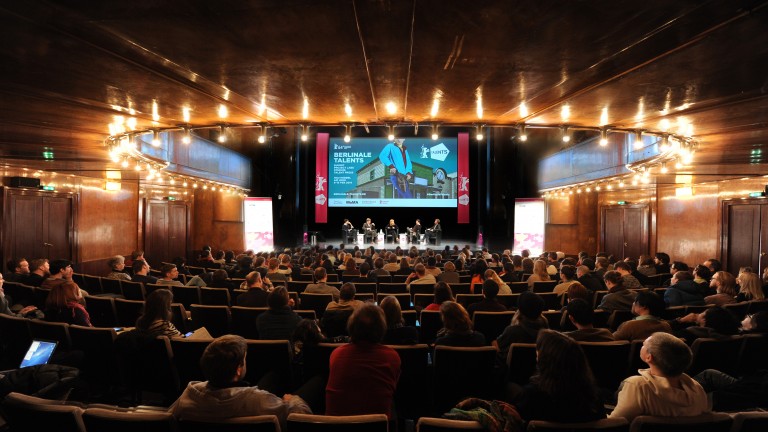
462 179
321 179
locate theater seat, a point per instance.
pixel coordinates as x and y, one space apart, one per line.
323 423
102 419
605 425
31 413
711 422
263 423
433 424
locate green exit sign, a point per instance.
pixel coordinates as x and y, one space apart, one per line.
48 188
170 198
622 203
756 194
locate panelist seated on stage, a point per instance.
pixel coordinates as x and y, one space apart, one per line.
369 230
349 233
434 232
392 230
415 232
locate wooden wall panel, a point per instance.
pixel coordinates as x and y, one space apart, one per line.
218 221
107 224
572 223
688 227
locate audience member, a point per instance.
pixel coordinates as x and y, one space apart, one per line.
755 323
279 321
683 291
170 275
420 277
539 274
489 303
61 274
116 266
662 263
564 389
397 332
449 274
363 373
39 272
750 287
663 389
618 297
715 322
18 270
648 307
155 319
63 304
321 286
525 325
258 290
567 277
442 294
591 282
581 315
625 270
225 394
141 272
725 285
457 327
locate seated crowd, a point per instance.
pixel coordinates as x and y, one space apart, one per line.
650 294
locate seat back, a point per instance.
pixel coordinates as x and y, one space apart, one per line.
98 345
711 422
431 323
316 302
461 288
269 356
521 363
263 423
244 321
421 289
317 359
186 359
508 300
180 318
544 286
297 286
618 317
15 340
322 423
518 287
434 424
392 288
102 419
491 324
102 311
420 301
111 286
609 362
404 299
36 414
92 284
468 299
40 295
739 310
756 306
133 290
185 295
215 319
128 311
750 422
20 293
146 364
215 296
720 354
365 288
454 381
51 331
410 398
605 425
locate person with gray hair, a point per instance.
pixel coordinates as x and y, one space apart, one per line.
663 389
116 265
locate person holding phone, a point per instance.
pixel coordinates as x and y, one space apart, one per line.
157 315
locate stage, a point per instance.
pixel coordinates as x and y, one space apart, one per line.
336 243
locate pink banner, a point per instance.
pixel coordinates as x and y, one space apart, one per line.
463 179
321 179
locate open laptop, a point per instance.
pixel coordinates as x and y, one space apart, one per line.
38 353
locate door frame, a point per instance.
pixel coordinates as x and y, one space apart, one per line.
726 204
648 216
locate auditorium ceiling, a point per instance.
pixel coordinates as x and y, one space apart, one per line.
72 68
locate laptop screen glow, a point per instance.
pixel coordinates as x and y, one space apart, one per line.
39 352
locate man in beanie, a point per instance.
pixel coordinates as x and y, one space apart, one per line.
525 324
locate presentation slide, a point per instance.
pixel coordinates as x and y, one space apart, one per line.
407 172
259 230
529 225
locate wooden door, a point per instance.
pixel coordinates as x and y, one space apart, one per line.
745 227
625 231
165 231
37 224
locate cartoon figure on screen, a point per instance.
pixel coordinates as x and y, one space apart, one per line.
395 157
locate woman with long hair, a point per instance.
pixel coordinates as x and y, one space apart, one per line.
397 332
63 305
750 287
564 390
457 327
539 273
157 315
442 294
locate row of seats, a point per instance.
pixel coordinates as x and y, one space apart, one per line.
40 414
